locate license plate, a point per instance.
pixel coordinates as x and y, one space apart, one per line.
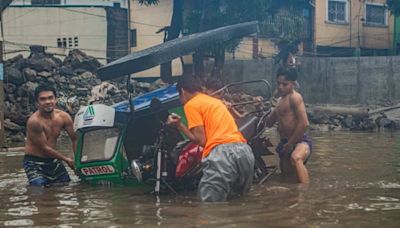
97 170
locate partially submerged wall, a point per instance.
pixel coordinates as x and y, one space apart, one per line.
347 80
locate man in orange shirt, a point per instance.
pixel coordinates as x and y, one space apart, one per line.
228 162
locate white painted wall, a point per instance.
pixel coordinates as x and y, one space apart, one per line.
24 26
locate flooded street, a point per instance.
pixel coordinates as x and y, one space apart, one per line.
355 182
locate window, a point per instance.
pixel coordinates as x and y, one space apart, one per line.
72 42
117 4
337 11
64 42
375 14
69 41
133 38
59 43
99 145
76 42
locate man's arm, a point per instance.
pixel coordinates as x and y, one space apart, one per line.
299 109
195 134
68 126
38 138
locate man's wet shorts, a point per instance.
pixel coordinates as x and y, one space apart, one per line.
305 139
44 171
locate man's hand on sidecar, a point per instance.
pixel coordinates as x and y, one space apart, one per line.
174 120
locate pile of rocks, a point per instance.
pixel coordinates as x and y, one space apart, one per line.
325 118
74 79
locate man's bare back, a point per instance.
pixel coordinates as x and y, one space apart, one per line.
47 129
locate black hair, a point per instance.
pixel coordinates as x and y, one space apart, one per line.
188 83
213 83
289 73
43 88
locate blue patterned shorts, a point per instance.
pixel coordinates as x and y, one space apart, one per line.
44 171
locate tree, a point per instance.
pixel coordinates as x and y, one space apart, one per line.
209 14
394 6
170 32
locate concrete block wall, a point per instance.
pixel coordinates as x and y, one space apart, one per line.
343 80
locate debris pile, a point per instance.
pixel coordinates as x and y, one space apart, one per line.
334 117
74 79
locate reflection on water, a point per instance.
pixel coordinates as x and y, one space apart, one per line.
354 182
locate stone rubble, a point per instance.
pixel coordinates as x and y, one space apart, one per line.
75 82
367 120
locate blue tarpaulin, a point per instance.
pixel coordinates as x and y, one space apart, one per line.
142 102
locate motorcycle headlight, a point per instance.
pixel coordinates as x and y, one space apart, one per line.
136 170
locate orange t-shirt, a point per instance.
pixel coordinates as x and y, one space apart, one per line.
219 125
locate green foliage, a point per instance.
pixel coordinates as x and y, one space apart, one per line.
394 6
218 13
285 26
226 12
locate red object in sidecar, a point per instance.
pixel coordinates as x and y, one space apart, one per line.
189 158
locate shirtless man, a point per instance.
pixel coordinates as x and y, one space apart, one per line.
295 146
42 163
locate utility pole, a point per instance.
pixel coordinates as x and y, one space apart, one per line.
360 19
395 37
129 27
350 22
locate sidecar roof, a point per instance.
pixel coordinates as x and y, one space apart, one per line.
168 96
165 52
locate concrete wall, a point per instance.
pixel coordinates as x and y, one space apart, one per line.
349 80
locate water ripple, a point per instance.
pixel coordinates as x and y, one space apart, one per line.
355 182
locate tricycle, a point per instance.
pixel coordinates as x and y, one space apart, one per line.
130 144
138 148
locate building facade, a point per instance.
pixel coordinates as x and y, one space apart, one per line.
352 27
145 22
99 28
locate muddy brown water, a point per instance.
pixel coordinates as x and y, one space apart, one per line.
355 182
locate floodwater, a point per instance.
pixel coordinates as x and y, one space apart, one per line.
355 182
